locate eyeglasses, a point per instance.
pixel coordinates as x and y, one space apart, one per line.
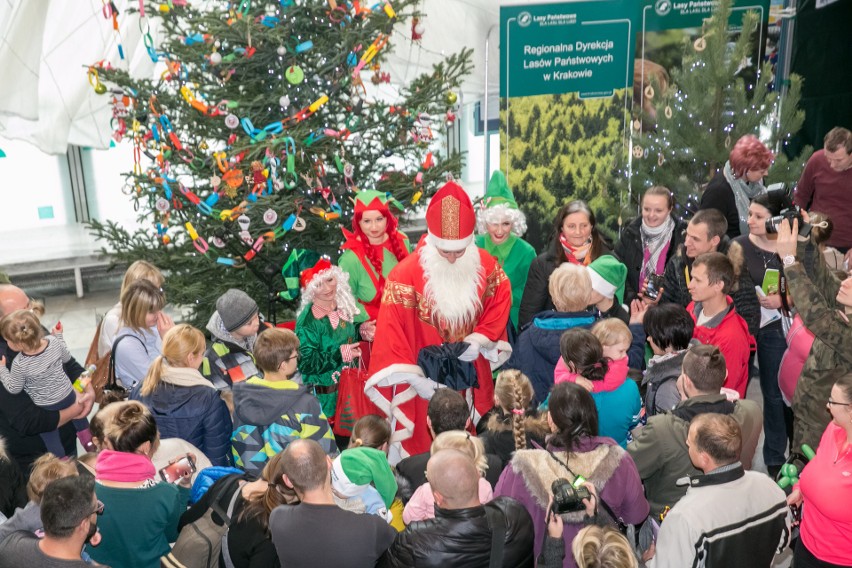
99 509
295 355
835 403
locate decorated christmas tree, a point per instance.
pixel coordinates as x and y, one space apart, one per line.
252 143
715 97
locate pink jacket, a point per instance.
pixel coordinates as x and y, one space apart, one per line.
421 506
614 378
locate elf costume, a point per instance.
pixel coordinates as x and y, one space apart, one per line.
326 336
435 296
368 265
514 254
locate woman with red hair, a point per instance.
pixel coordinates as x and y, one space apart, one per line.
372 249
740 181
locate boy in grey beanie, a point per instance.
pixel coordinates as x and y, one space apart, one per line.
233 329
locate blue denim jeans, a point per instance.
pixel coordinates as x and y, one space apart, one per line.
777 416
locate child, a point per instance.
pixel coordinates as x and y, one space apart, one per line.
618 409
272 411
233 331
365 473
669 329
513 422
38 371
422 504
47 468
620 346
373 431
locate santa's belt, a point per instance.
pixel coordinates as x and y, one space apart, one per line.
319 389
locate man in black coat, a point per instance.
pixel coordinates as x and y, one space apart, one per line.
21 421
462 531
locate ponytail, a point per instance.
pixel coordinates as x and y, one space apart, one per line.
154 377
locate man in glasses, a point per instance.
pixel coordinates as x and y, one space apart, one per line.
69 513
21 421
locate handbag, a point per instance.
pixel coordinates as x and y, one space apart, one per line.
100 374
352 403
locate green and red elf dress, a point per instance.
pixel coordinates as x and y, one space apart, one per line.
368 265
327 336
514 253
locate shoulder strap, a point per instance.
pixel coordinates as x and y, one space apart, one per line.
497 524
226 552
111 380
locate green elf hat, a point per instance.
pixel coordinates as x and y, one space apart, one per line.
369 200
499 192
608 276
356 468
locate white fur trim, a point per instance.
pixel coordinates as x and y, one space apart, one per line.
496 352
408 381
454 245
600 285
503 352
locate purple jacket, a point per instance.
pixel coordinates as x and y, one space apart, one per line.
600 460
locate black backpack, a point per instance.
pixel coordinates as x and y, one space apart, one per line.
200 542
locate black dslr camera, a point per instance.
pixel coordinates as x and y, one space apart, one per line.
782 195
568 497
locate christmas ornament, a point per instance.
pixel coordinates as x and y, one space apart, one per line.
284 101
451 98
232 121
417 29
668 111
637 125
294 75
637 151
299 224
162 204
700 44
660 160
282 51
728 141
270 217
215 58
217 242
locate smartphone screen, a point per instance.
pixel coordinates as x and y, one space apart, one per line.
173 473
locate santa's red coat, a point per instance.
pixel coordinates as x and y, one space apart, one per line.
407 323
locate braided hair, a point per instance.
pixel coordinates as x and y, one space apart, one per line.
514 393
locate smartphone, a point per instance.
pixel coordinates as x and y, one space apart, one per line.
652 288
183 467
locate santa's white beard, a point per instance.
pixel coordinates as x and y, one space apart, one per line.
453 288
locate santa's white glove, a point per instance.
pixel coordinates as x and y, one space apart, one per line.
471 353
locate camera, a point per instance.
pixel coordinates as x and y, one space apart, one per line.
568 497
652 287
782 195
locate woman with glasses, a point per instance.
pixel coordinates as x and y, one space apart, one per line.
141 512
272 411
824 492
821 298
248 543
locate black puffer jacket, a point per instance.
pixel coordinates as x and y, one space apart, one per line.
674 282
462 537
629 251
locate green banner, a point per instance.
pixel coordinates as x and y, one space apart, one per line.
567 47
660 15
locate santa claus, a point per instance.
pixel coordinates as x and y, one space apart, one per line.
448 291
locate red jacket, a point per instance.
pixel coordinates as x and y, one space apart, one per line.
732 338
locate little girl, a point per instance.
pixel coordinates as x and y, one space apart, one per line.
513 423
619 408
38 371
422 503
618 346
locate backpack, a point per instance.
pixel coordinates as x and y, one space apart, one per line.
200 542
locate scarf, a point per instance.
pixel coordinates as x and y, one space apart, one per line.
744 192
123 467
576 255
184 377
334 316
655 246
217 329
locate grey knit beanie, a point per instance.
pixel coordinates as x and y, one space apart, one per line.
235 308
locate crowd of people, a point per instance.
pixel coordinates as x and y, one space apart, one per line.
466 401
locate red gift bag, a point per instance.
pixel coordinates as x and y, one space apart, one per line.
352 403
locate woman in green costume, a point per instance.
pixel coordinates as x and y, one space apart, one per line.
330 326
500 225
372 249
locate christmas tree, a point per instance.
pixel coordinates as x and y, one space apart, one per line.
714 98
252 143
